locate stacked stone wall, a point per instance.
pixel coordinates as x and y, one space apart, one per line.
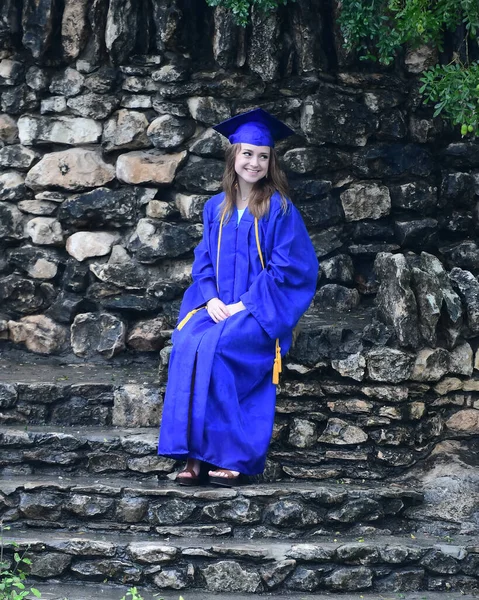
107 158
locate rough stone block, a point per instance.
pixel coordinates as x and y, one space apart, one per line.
350 579
152 167
389 365
73 131
75 169
229 576
365 201
136 406
50 565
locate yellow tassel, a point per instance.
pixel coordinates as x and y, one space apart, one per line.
277 367
185 320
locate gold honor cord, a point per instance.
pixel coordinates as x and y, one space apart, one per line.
219 246
185 320
277 366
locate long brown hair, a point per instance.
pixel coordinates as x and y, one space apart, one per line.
258 205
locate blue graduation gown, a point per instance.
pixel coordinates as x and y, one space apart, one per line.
220 400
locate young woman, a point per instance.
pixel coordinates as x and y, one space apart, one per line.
254 275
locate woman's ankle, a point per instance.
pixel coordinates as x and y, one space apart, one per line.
192 464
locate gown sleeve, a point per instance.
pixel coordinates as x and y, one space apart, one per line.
203 287
283 290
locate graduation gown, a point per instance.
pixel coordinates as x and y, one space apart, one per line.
220 400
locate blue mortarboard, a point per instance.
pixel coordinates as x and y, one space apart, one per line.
256 127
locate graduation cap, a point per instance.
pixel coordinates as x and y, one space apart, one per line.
256 127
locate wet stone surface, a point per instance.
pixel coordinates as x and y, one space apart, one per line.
253 511
339 566
354 430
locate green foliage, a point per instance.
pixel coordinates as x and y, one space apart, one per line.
240 9
134 594
12 586
454 90
377 29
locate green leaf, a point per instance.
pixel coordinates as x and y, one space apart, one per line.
19 585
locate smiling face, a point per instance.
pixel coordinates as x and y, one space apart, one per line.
252 162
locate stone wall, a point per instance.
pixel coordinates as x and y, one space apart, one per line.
108 157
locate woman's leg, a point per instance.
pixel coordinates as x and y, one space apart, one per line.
228 419
176 418
233 422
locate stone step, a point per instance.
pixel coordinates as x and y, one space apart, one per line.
56 450
130 396
79 394
110 592
128 451
285 510
324 428
375 564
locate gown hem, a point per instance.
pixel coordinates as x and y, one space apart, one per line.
195 456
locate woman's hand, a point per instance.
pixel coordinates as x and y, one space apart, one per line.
235 308
217 310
